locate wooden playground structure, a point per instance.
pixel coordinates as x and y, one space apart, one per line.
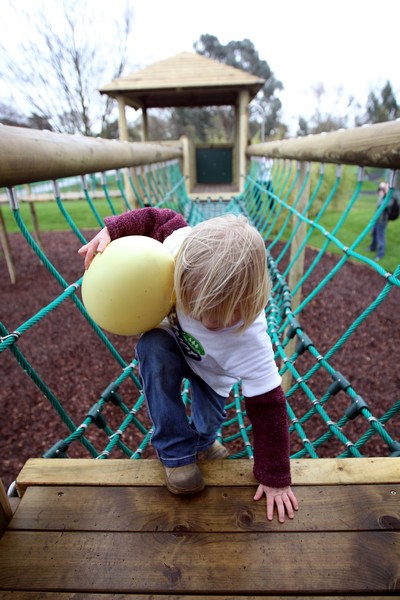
109 529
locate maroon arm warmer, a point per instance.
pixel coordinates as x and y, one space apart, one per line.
268 415
157 223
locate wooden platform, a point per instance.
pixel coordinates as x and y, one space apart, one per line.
206 191
102 530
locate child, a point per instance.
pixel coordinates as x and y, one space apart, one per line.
214 337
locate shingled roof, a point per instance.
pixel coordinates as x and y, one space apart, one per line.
187 79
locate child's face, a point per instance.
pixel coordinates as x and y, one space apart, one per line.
212 324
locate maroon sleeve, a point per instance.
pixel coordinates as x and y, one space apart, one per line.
157 223
268 415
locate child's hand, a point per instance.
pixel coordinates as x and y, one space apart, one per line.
283 498
97 244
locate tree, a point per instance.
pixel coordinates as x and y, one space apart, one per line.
303 127
242 55
10 116
57 69
203 125
381 107
331 112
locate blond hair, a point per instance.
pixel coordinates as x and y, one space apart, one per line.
221 269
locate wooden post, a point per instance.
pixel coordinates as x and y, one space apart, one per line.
137 186
122 122
35 222
186 163
241 145
6 512
236 145
124 137
5 244
145 126
297 269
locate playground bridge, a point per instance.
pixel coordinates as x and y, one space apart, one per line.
109 528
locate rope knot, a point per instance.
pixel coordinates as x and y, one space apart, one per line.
14 335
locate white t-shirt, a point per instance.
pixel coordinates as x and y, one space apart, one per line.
224 357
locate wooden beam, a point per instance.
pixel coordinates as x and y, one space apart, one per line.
28 155
23 595
373 145
86 471
217 508
181 562
243 105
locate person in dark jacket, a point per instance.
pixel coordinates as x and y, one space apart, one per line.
378 242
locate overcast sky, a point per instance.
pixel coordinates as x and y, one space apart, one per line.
352 45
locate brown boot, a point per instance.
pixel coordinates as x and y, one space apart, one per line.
214 452
184 480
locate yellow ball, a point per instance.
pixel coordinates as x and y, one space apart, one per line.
128 288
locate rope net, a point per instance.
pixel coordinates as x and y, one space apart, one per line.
328 415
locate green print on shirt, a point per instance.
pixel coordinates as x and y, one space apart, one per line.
193 343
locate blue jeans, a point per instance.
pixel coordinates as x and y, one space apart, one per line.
176 438
378 242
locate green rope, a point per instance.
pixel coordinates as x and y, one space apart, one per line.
272 211
53 271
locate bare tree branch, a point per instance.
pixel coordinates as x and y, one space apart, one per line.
58 68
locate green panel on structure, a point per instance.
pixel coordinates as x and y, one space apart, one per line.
214 165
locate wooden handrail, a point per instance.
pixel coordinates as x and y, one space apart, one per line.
28 155
373 145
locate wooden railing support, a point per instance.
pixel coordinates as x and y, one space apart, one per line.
297 270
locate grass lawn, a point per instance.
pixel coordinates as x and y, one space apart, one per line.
356 222
51 219
357 219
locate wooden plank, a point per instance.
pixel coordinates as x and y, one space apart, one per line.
14 503
217 509
251 563
90 596
82 471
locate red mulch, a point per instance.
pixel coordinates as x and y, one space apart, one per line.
67 355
